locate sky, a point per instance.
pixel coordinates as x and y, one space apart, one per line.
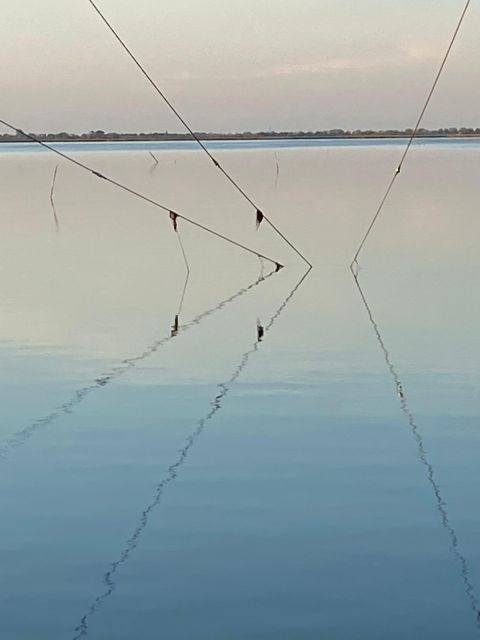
237 65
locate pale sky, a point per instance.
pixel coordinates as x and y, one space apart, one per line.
235 65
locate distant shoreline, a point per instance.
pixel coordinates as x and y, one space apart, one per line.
335 134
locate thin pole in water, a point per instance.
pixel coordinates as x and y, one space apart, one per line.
181 119
52 202
137 194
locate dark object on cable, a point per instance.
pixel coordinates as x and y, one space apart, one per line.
119 185
260 217
173 218
194 135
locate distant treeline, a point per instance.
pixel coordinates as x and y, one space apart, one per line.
99 135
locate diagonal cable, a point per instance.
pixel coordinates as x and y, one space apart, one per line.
192 132
412 137
137 194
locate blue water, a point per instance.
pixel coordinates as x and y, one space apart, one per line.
182 145
319 483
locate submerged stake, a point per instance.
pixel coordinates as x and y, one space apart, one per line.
51 199
137 194
188 128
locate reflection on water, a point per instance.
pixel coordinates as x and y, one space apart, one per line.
21 437
52 200
268 143
309 504
440 503
155 162
172 472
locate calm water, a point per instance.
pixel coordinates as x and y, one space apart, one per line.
320 483
287 143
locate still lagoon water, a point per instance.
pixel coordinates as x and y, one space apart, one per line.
318 483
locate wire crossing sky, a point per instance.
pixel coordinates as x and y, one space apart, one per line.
259 214
241 65
127 189
412 137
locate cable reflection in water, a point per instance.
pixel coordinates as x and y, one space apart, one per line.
109 578
155 162
440 503
21 437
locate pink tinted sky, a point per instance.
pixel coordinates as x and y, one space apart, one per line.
234 65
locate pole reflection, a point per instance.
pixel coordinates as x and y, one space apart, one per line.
52 200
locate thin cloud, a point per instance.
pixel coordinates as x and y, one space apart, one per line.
406 55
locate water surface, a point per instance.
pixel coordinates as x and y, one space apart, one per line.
320 483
